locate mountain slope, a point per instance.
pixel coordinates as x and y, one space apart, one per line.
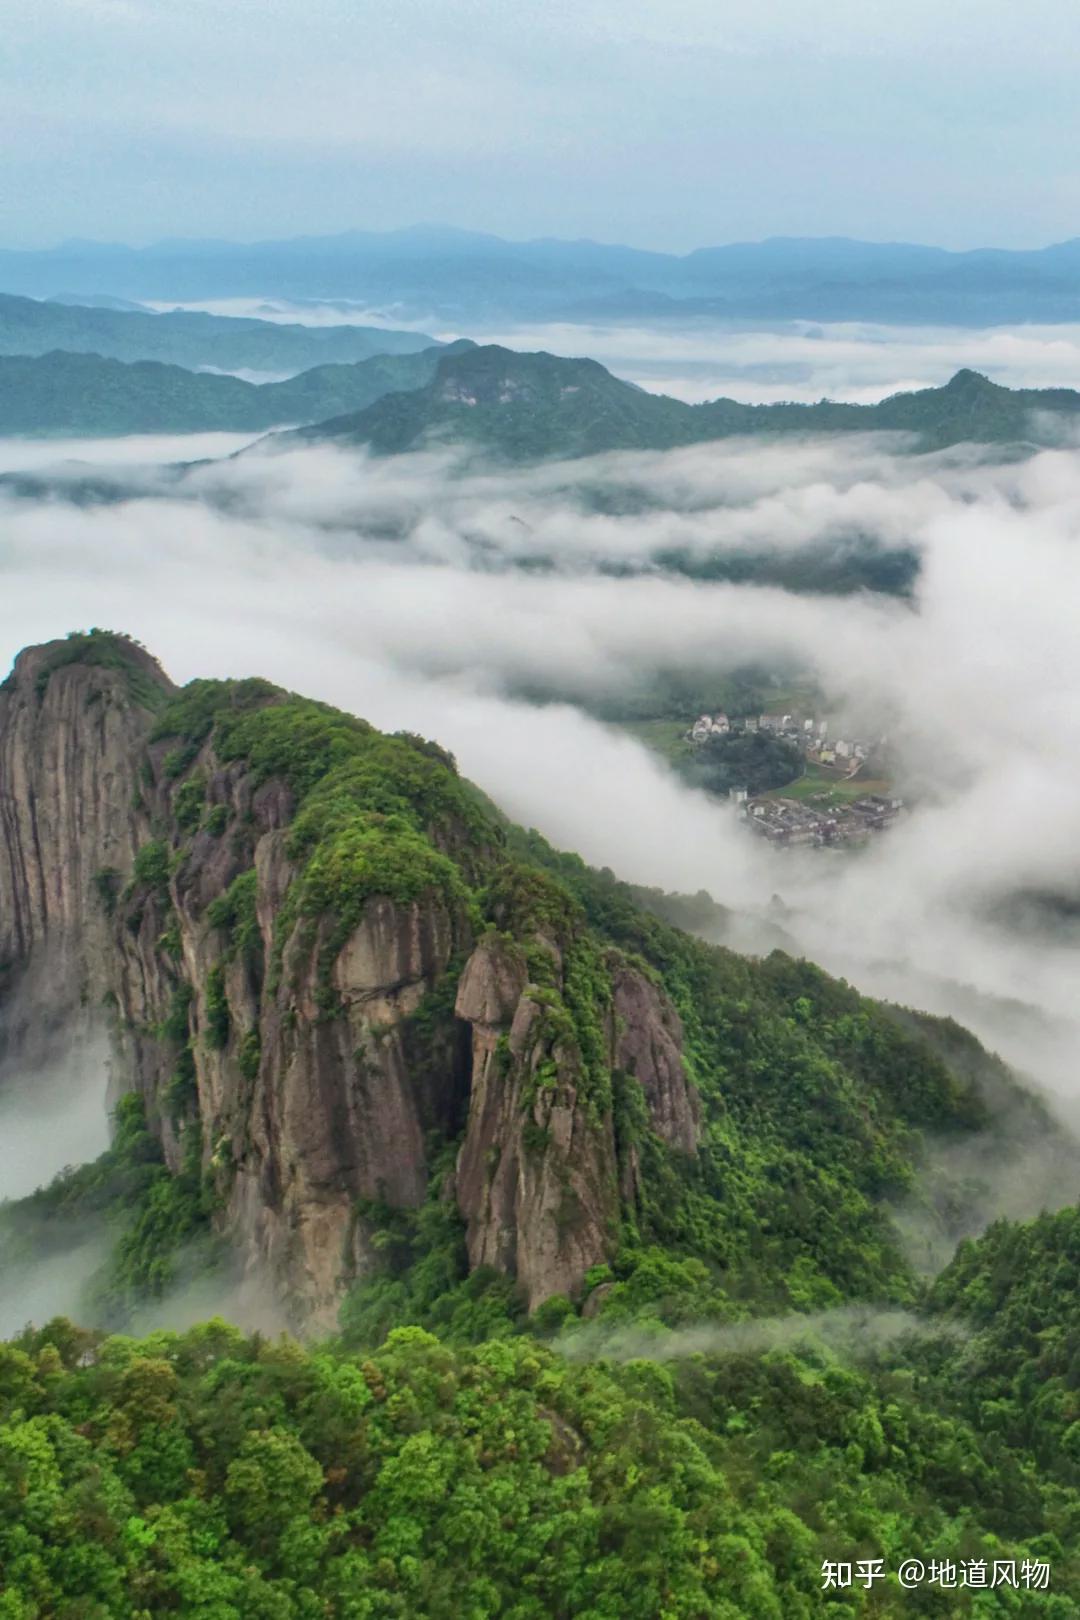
403 1055
347 993
968 408
520 405
89 395
532 406
188 338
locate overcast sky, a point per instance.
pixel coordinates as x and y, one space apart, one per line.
668 125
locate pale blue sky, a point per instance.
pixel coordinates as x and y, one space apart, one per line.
667 125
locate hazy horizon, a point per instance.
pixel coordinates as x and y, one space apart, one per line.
141 242
673 125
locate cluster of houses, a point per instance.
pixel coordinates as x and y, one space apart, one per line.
810 736
797 821
815 820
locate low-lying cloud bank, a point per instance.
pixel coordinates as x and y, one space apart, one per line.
857 361
425 596
854 1331
52 1115
134 451
704 358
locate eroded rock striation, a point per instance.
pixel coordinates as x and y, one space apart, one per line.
322 972
72 728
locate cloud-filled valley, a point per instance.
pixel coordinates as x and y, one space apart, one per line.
430 595
758 363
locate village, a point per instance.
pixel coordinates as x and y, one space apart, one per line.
827 806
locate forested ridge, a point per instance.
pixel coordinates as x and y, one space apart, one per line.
756 1380
524 407
192 338
76 393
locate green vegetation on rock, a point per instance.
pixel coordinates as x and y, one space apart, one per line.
815 1099
108 649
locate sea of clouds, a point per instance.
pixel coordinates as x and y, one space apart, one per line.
857 361
429 593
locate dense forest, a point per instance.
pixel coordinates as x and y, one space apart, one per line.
755 761
212 1474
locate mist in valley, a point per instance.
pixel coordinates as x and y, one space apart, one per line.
759 363
429 592
854 1332
53 1115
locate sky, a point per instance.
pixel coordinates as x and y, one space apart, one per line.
664 125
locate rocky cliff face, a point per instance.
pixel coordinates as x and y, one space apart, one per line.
338 1112
536 1172
71 735
647 1044
288 912
537 1175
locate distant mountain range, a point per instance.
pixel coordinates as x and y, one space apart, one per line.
511 408
189 338
465 277
91 396
534 406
